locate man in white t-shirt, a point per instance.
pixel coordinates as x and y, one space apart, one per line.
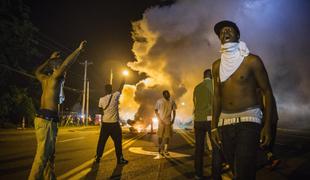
163 109
110 126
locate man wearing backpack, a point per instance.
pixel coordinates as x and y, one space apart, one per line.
110 126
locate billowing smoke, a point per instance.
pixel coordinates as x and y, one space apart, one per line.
174 44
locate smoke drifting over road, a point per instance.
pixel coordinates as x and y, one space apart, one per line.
174 44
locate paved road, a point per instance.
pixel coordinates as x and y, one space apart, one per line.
76 149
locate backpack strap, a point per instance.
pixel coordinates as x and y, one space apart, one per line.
108 103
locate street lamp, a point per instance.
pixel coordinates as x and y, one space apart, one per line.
125 73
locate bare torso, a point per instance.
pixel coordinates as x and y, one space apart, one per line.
50 92
239 91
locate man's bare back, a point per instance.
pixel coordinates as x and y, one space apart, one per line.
238 92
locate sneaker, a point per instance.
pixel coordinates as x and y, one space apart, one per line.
166 153
122 161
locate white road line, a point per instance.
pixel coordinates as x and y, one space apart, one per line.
186 138
140 150
79 171
72 139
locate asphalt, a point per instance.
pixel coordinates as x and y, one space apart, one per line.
75 150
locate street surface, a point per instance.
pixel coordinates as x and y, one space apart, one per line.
76 147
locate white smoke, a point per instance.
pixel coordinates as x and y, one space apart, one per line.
174 44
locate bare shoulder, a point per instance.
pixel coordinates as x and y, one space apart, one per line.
216 65
254 61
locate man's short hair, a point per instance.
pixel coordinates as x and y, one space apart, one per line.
108 88
207 73
165 91
218 26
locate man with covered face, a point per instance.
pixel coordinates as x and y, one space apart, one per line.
51 76
238 122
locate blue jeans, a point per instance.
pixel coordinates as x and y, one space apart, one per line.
240 144
43 164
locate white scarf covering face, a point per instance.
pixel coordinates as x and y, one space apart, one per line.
232 55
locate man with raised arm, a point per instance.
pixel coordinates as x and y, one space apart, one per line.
51 76
237 115
110 126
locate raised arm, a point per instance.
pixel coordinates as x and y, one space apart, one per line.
69 60
39 74
121 86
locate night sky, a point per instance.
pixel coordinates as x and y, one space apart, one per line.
106 25
178 34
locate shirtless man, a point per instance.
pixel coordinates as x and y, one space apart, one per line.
237 115
51 75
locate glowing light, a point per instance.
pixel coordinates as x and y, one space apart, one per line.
125 73
183 103
139 128
155 120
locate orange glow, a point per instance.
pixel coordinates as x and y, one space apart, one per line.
125 73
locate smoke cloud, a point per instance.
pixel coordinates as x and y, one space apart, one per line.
174 44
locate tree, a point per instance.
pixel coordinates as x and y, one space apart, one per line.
17 51
16 39
16 104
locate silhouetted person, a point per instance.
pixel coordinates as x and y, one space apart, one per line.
164 108
236 110
110 125
51 76
202 99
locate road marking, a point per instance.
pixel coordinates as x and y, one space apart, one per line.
80 169
72 139
186 138
189 137
139 150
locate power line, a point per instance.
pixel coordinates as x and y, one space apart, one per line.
46 45
33 77
54 41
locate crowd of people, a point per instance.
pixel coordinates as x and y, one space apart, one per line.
234 105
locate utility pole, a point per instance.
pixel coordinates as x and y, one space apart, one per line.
87 103
84 89
111 77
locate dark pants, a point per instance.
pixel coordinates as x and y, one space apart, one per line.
201 128
113 130
240 144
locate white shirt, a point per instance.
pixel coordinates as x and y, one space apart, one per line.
110 115
165 109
